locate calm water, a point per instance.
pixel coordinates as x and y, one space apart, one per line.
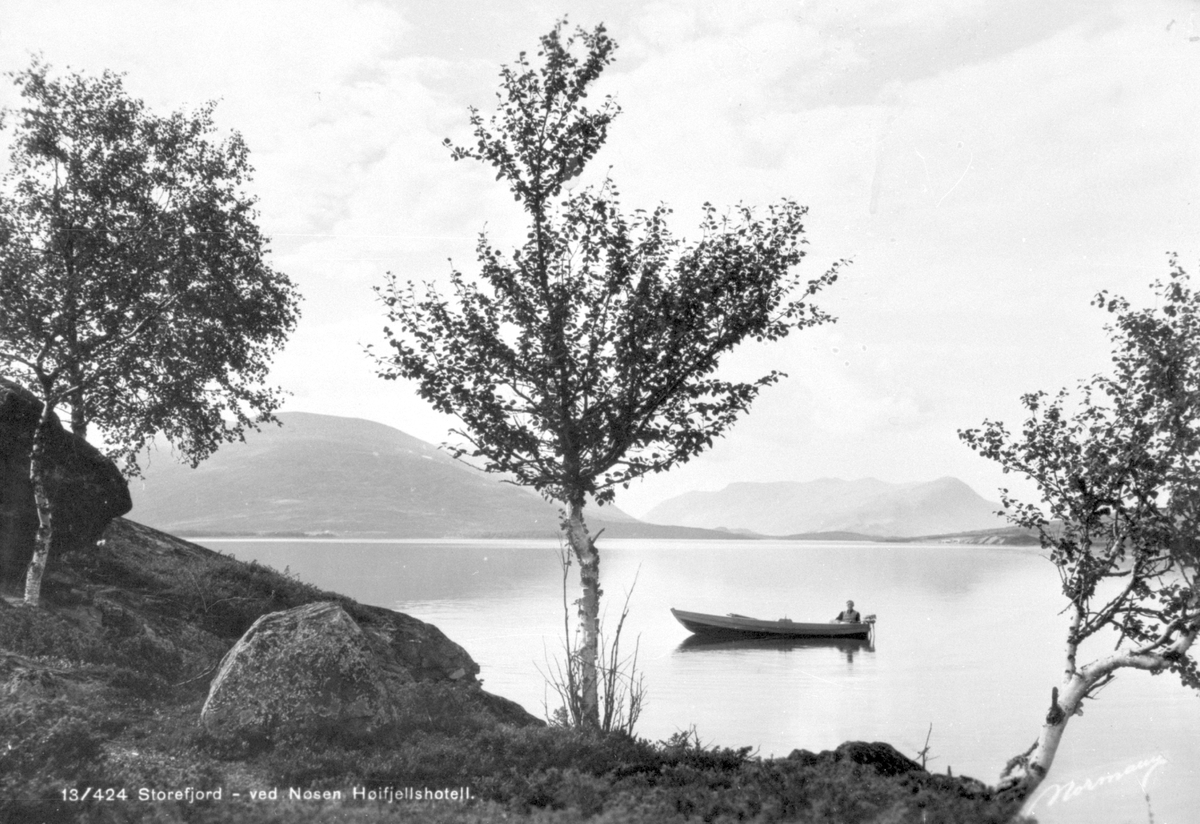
968 641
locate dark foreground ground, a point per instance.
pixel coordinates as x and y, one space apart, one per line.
101 690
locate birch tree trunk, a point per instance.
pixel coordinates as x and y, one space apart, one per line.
1023 774
589 612
41 499
79 422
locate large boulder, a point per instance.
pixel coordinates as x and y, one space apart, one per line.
314 667
86 489
310 666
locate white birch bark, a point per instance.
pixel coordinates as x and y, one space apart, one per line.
41 499
589 613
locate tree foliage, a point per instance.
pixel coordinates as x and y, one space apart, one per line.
134 289
589 356
133 284
1117 465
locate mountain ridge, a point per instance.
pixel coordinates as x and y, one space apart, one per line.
329 476
866 506
323 476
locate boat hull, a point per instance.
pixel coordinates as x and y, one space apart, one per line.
740 626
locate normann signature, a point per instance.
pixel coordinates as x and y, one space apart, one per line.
1137 771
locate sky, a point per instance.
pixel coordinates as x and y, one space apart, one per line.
986 167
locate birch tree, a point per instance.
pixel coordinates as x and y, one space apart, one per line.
589 356
134 288
1117 465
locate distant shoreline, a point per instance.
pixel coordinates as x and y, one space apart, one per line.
1010 537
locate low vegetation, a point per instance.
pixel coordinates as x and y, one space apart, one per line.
91 705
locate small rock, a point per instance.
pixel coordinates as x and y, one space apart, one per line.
885 758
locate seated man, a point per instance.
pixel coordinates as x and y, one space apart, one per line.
849 615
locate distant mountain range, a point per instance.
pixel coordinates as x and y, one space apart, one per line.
813 509
321 474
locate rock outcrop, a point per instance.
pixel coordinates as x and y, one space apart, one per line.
314 667
883 758
86 489
306 667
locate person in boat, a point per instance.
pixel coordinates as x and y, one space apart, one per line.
849 615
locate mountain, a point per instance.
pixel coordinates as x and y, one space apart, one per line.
868 506
353 478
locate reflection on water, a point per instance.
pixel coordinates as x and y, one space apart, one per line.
848 647
969 639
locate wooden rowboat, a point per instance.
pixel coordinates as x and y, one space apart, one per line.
742 626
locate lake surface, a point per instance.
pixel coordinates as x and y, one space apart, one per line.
969 640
